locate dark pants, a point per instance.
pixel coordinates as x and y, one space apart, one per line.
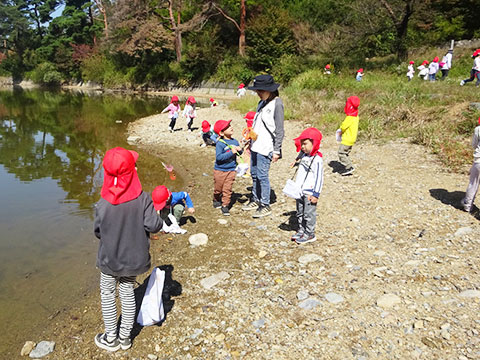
444 73
173 120
473 74
306 215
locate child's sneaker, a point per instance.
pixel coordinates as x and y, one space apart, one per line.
102 342
225 211
252 205
263 210
348 172
125 344
462 83
170 129
306 239
296 236
217 204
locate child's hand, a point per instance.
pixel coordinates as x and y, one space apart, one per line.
312 199
234 149
191 210
292 164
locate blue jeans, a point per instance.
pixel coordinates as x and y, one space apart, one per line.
259 167
431 77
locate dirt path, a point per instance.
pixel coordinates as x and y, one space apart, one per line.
391 228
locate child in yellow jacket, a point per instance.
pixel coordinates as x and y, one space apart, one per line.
349 130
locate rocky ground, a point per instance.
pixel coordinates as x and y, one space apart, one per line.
394 273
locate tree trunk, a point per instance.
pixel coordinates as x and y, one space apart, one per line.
176 31
241 39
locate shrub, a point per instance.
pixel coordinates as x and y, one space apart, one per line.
45 74
233 69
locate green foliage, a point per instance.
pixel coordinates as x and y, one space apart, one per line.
233 69
45 74
287 67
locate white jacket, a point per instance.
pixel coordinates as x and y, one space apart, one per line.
476 144
189 111
433 68
267 134
447 60
476 63
310 175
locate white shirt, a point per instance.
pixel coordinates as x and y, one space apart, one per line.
476 63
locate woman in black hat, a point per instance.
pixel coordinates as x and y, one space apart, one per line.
267 147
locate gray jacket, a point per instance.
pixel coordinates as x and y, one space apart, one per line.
124 232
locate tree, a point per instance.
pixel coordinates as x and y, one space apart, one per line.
240 27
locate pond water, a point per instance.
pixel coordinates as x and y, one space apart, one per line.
51 149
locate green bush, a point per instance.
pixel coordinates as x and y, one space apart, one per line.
287 67
233 69
45 74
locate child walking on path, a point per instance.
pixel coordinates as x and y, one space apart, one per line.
124 217
446 64
310 179
224 172
467 201
423 70
190 112
475 72
433 69
349 130
167 202
173 111
410 71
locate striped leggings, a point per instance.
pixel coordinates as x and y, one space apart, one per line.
108 284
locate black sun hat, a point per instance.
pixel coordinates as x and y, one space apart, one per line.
264 82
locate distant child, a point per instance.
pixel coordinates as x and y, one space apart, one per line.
209 138
310 179
467 201
124 217
241 91
190 111
213 103
359 75
446 64
167 202
475 72
411 71
173 111
326 70
224 172
349 130
433 69
423 70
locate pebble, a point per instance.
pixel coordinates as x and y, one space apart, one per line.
309 304
152 357
388 300
220 337
418 324
302 295
198 239
333 298
42 349
463 231
133 139
27 348
196 333
308 258
262 227
222 221
379 253
257 324
262 254
470 294
213 280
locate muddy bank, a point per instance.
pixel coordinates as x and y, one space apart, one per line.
394 273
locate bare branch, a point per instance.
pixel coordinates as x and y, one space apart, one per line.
226 16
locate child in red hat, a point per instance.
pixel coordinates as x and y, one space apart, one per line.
475 72
224 173
433 69
209 138
410 71
213 103
359 75
348 131
327 70
124 217
423 70
167 202
467 201
173 110
310 180
190 112
241 91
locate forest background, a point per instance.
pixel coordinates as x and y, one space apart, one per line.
149 44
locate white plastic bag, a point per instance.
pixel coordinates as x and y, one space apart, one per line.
292 190
338 135
242 169
151 310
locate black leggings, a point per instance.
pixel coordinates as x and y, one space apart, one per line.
473 74
173 120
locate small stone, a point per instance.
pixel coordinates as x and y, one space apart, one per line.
220 337
463 231
222 221
213 280
257 324
262 227
198 239
333 335
195 334
157 348
445 334
379 253
470 294
152 357
308 258
388 300
333 298
354 220
302 295
27 348
262 254
133 139
309 304
412 263
445 326
418 324
42 349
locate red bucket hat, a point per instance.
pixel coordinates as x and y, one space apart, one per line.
120 178
174 98
205 126
221 125
435 59
425 62
314 135
191 100
360 70
412 62
327 66
351 106
160 196
212 99
241 86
